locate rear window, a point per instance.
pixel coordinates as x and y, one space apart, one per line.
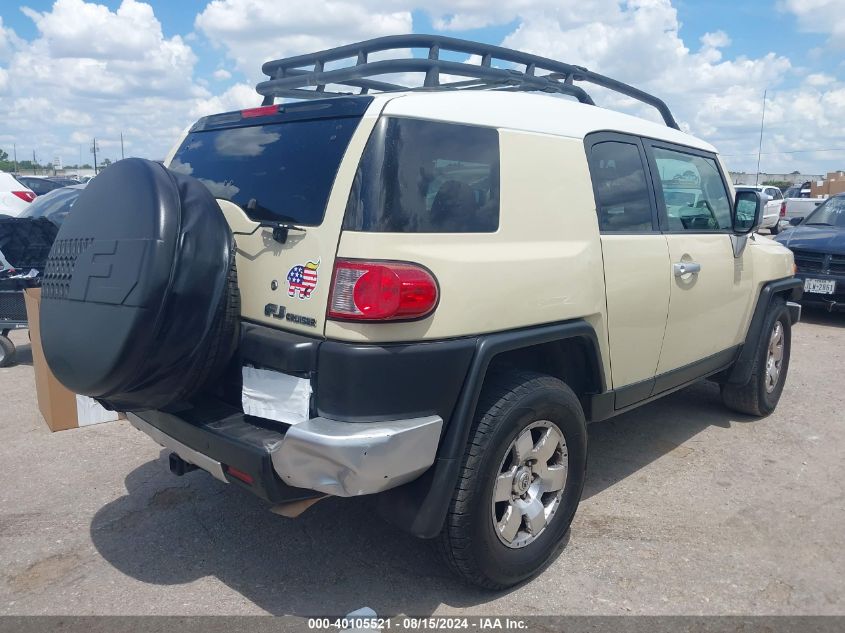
278 172
426 177
54 206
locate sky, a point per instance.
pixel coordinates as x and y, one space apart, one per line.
72 70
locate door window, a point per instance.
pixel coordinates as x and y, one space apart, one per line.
619 178
694 194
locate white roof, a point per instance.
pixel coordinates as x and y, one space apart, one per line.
528 112
9 183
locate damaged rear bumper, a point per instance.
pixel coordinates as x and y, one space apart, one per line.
285 464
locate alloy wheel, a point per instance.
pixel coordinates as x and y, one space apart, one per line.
530 484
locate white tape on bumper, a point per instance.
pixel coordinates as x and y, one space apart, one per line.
275 396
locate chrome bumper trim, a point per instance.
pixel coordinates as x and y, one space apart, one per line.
196 458
794 311
352 458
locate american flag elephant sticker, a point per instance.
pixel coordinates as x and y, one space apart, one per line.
302 280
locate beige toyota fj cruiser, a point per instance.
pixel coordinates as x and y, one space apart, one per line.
424 294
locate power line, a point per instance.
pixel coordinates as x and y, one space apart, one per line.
794 151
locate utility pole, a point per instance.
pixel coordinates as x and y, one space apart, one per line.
760 146
121 147
15 152
94 149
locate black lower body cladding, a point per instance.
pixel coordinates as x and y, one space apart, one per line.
139 302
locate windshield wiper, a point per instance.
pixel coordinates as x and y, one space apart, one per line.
280 227
818 224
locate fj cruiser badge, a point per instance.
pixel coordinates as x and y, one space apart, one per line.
281 313
302 280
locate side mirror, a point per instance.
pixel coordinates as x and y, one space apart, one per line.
748 211
796 221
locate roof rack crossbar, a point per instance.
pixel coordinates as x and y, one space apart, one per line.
432 69
305 76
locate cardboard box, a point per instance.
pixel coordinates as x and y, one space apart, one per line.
819 188
62 409
836 186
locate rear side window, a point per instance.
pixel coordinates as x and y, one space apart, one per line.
277 172
426 177
622 193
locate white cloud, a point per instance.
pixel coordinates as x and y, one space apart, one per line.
819 79
74 28
237 97
636 41
95 72
717 39
254 31
87 49
819 16
720 99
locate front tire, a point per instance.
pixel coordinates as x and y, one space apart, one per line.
7 352
760 395
520 483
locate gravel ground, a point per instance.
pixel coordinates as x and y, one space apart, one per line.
688 509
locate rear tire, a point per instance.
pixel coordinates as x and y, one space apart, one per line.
760 395
477 540
7 352
775 229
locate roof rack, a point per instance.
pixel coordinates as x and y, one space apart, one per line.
288 77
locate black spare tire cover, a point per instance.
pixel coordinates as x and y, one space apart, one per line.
137 291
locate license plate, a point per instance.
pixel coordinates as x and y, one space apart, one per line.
820 286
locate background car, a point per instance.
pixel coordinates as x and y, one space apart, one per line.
55 205
818 244
771 213
64 181
39 186
14 197
797 203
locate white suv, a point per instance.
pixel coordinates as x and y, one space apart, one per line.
420 294
14 197
775 208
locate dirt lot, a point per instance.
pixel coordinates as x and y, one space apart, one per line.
688 509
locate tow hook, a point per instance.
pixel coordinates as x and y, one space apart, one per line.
179 466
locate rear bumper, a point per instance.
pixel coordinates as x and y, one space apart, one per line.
317 456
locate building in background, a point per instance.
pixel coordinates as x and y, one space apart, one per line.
832 184
779 180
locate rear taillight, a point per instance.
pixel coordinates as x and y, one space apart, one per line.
381 291
783 209
26 196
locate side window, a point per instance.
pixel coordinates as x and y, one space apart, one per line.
775 193
694 194
426 177
622 194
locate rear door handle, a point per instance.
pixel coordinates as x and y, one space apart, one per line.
685 268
